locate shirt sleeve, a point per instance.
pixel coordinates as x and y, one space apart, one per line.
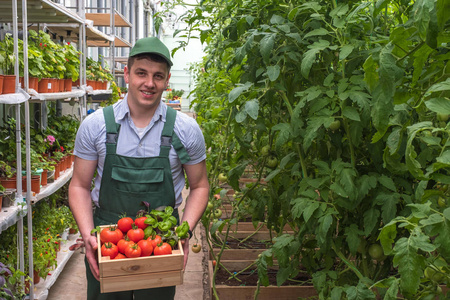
87 135
192 138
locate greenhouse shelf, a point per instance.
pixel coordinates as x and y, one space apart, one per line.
15 98
10 215
50 188
75 93
41 289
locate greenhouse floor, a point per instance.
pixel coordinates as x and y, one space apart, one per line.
71 283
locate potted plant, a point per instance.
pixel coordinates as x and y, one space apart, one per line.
7 63
71 64
11 286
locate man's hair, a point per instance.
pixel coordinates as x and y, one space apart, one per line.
149 56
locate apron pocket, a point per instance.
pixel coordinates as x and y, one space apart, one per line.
137 180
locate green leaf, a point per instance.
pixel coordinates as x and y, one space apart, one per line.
316 32
439 105
310 209
371 219
351 113
388 206
273 72
284 133
387 182
266 46
442 241
379 5
237 91
308 59
324 226
241 116
370 73
252 108
345 51
353 237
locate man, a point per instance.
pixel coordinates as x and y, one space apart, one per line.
139 148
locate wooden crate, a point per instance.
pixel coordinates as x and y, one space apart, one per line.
142 272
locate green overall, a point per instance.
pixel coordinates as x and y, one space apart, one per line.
126 182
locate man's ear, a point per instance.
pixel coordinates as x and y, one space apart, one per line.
168 78
126 74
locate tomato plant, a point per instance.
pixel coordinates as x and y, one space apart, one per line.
281 73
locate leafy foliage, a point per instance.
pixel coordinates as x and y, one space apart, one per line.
280 73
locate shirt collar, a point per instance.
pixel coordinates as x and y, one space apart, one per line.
122 110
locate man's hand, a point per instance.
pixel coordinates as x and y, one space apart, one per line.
185 244
91 255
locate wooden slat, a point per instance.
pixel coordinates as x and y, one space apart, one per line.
140 281
104 19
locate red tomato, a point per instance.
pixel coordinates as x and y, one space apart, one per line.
140 222
109 249
135 234
123 244
120 256
162 249
111 234
125 224
155 241
133 251
146 247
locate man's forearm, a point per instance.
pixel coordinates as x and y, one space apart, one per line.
195 206
81 205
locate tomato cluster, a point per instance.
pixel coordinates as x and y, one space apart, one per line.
155 233
118 245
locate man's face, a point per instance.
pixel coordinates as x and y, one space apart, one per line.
147 80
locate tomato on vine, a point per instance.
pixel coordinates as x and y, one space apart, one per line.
135 234
133 251
109 249
162 249
111 234
376 251
125 224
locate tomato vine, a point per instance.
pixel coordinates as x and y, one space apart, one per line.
285 71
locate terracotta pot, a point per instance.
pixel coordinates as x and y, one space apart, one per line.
55 85
43 85
33 83
57 170
35 183
73 230
22 81
44 177
1 84
1 202
9 183
36 278
67 85
61 85
9 84
91 83
76 83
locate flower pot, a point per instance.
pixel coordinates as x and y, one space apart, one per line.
76 83
8 183
60 85
33 83
73 230
9 84
68 85
36 278
44 85
44 177
91 83
1 84
57 170
35 183
1 201
55 85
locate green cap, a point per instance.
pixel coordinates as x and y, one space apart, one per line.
151 45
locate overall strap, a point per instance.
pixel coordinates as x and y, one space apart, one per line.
167 132
169 137
112 130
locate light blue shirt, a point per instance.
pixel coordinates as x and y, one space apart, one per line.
91 138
